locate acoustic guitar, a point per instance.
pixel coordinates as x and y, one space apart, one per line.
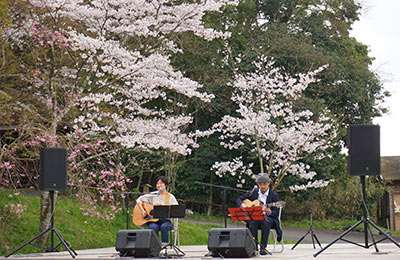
138 218
256 203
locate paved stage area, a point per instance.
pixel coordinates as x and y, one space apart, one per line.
342 251
305 250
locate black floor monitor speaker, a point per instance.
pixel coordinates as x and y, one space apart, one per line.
231 242
138 243
53 169
364 150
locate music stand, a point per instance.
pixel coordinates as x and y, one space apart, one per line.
166 212
246 214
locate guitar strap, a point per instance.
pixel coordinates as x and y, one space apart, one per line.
166 202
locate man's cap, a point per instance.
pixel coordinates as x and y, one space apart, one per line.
262 177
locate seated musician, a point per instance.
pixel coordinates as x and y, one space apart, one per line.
160 197
264 194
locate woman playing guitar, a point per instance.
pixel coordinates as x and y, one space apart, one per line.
144 205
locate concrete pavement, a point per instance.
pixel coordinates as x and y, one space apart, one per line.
342 251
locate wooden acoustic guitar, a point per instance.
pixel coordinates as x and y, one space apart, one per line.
256 203
138 218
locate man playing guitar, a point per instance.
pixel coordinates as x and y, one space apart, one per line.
265 196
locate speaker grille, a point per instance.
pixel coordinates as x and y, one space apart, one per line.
364 150
138 243
53 169
231 242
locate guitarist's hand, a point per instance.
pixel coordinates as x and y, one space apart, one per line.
144 213
243 205
267 210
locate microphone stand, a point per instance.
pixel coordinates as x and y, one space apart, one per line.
310 230
127 199
224 189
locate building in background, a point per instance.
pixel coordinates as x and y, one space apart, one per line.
389 214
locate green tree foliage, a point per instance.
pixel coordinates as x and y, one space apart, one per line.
299 36
304 34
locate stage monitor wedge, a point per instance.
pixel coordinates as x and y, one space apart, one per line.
53 169
364 150
138 243
231 242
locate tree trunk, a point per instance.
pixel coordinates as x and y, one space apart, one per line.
45 215
210 197
45 202
260 159
171 169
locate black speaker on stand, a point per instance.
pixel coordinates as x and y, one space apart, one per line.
364 159
53 169
364 150
53 177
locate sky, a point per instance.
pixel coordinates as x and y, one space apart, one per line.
379 29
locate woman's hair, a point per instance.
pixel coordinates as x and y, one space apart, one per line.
163 179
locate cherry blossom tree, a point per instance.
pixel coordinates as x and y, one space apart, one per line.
272 126
139 100
49 87
100 70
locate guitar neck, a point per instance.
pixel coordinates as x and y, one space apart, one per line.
272 204
256 203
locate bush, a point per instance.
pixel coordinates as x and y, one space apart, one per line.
340 200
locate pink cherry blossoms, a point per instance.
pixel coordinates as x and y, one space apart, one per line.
129 79
104 67
267 122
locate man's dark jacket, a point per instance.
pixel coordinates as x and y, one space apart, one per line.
272 197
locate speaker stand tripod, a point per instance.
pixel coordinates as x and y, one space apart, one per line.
53 230
367 229
310 230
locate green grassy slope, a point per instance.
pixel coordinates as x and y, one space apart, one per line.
82 232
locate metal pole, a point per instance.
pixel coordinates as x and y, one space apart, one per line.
224 199
224 189
52 220
365 211
127 210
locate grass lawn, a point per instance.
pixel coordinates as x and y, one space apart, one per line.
82 232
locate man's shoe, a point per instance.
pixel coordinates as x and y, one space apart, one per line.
279 235
263 251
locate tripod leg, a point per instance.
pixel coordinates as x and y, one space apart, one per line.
34 238
342 235
312 239
372 236
69 249
316 239
384 233
301 239
178 251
